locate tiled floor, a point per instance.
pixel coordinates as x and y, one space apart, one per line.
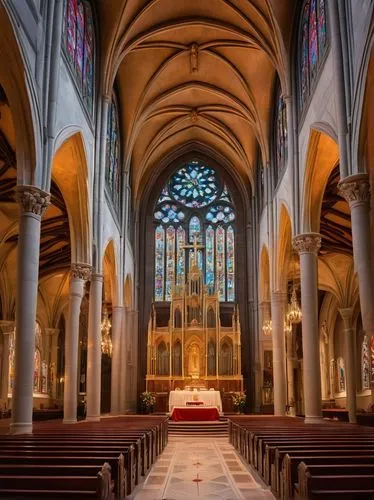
200 468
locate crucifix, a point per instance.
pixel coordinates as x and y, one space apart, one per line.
195 247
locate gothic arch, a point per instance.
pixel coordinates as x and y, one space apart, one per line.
284 250
17 84
70 172
110 268
128 293
322 157
264 281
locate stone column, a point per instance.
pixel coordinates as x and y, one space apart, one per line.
349 355
278 302
33 202
307 246
290 377
94 349
117 316
7 328
123 388
79 274
134 360
52 360
356 190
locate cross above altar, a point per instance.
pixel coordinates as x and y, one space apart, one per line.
195 247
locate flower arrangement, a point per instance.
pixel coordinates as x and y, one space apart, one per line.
238 401
148 401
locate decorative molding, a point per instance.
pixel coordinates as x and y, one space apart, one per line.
307 243
81 271
355 189
7 327
32 199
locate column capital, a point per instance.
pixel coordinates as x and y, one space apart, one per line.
97 277
118 308
307 243
278 296
346 313
52 331
81 271
107 98
355 189
6 327
32 199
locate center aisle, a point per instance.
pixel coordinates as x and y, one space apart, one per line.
200 468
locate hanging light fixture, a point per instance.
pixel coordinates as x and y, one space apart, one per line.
267 327
106 341
294 314
287 327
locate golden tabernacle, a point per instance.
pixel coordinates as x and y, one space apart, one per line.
193 349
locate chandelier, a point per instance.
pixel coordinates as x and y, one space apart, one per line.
294 314
106 341
267 327
287 327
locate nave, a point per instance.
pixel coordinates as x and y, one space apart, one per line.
134 458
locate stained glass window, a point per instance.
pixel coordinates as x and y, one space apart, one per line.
113 164
220 261
79 47
170 261
281 131
313 44
230 264
181 270
209 243
159 262
194 203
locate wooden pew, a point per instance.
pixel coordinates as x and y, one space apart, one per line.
309 484
290 463
99 486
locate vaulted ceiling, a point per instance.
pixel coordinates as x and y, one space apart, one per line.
194 72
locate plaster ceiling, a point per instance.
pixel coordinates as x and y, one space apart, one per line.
196 71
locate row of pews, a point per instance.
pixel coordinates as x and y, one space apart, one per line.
89 460
321 461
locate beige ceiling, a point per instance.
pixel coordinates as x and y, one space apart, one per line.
194 71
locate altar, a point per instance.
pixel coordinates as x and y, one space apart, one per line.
206 397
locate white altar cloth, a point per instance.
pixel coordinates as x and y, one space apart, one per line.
209 398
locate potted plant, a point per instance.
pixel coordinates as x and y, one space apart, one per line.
148 402
238 401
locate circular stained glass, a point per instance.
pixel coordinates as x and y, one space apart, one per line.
169 212
220 213
194 185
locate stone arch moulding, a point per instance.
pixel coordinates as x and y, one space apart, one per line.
18 86
321 158
70 172
110 271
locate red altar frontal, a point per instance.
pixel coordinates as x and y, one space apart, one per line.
194 413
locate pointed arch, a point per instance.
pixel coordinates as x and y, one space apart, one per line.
322 157
111 293
284 249
264 281
70 172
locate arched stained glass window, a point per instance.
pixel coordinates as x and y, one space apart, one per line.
113 164
79 47
170 261
313 45
159 262
194 206
281 145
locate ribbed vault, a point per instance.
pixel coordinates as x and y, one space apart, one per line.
194 71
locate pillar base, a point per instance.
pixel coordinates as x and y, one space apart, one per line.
21 428
313 420
92 419
69 421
